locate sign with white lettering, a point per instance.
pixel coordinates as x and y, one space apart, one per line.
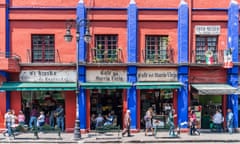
207 30
157 75
106 75
48 76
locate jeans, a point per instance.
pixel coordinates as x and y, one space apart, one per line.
9 129
33 120
51 120
60 123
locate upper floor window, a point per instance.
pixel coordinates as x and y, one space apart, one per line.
43 49
206 49
156 50
106 48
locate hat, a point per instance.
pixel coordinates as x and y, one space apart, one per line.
128 111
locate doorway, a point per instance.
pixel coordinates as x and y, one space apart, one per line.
105 101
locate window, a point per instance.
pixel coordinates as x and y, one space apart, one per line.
106 48
206 44
43 48
156 49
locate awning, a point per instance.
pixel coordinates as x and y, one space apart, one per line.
43 86
106 85
158 85
214 89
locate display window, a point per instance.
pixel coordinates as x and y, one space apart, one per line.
106 103
161 101
42 101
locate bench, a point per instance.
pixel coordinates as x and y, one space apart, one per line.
16 130
108 128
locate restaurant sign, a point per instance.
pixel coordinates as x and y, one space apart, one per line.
157 75
48 76
207 30
106 75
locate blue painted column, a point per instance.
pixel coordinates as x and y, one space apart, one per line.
6 75
232 74
183 59
81 56
7 51
132 58
7 30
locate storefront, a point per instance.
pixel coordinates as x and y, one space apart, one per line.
208 94
207 99
106 92
44 90
158 90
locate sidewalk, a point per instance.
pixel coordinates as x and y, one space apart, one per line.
162 137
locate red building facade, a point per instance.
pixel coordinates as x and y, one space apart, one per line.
166 41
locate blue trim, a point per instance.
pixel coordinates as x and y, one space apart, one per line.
183 33
4 74
42 8
7 30
132 58
132 33
158 9
182 110
232 42
132 96
209 9
106 8
233 24
183 58
8 104
81 50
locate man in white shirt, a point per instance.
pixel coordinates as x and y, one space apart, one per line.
217 120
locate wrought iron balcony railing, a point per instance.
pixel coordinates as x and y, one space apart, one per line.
159 56
106 56
205 58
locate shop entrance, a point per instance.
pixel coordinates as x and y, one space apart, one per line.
105 101
160 100
42 101
205 107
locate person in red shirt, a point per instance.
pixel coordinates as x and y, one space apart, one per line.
192 122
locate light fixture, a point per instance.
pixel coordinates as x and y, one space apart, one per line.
82 23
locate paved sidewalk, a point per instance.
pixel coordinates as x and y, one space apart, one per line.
162 137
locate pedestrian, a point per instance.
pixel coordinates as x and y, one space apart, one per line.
33 118
126 123
99 120
41 120
192 122
229 121
21 118
148 121
171 116
218 120
60 117
8 118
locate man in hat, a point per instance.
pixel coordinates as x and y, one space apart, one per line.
126 123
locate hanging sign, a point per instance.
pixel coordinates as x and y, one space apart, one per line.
106 75
157 75
207 30
48 76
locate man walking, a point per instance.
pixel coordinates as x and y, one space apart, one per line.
230 121
60 117
126 124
